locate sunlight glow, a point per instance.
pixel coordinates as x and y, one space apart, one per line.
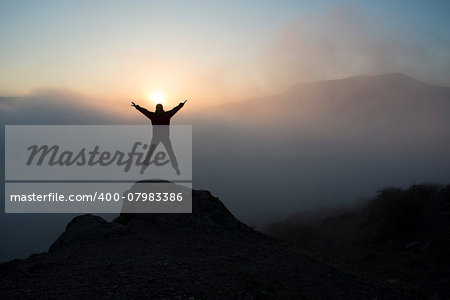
157 97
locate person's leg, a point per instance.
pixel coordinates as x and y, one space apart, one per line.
151 150
153 144
173 159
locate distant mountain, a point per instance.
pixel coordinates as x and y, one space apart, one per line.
207 254
358 104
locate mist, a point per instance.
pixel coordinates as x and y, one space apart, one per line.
350 40
323 144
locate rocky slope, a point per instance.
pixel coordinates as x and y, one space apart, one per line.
206 254
401 236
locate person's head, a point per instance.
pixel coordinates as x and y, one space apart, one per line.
159 108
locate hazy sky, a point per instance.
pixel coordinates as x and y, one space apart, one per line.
214 51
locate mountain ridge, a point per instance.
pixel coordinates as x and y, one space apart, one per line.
396 76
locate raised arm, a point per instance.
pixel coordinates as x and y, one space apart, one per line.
144 111
176 108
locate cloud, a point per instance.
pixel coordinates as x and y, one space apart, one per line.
349 41
62 106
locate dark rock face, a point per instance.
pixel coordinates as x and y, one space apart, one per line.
206 254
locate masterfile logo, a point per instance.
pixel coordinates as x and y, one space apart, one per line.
86 152
98 169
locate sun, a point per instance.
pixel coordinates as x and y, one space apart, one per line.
157 97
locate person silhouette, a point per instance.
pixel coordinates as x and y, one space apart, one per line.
160 120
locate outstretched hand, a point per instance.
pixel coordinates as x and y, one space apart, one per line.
132 104
182 103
